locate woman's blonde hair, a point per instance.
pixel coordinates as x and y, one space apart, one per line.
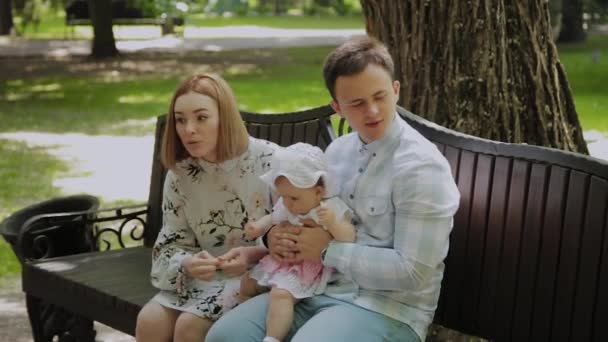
233 138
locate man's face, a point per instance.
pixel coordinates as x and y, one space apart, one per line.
367 100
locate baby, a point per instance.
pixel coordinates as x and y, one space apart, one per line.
299 175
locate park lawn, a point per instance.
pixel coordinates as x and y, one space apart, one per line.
284 21
588 80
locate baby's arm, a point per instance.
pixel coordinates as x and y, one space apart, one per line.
255 229
341 229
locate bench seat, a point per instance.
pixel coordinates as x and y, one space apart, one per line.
99 285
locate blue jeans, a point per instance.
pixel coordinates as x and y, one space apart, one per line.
317 319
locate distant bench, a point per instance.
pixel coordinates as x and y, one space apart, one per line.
166 23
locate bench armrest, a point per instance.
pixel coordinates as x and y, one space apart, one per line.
65 233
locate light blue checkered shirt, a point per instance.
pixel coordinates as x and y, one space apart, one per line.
404 198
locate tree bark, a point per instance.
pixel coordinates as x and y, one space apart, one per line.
104 45
6 17
572 22
486 68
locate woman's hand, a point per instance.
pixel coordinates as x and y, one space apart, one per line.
201 265
281 241
235 262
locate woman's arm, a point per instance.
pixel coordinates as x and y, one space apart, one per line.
175 242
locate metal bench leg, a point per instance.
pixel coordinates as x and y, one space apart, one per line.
49 321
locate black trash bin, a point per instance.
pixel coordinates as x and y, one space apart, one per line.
57 227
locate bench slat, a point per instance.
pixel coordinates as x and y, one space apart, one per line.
476 239
600 311
492 243
458 242
507 282
548 254
589 263
569 255
530 244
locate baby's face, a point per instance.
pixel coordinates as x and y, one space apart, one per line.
297 200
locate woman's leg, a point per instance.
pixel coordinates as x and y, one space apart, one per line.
155 323
191 328
280 313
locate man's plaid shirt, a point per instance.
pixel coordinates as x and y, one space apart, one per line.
404 198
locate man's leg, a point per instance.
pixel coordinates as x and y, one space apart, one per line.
246 322
340 321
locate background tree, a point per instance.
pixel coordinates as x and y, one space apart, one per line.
487 68
104 44
6 17
572 22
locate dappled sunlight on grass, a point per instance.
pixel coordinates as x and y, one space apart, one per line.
135 99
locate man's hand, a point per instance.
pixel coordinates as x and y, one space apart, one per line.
281 241
234 262
310 243
201 265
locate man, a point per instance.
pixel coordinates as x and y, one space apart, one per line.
403 197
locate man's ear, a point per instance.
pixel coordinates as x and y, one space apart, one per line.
396 88
336 107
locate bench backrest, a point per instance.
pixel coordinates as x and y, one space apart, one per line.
528 259
311 126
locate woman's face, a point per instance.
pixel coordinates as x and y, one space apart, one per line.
197 123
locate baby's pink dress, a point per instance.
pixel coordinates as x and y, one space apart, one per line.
303 279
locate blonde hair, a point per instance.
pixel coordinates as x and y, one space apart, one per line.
233 139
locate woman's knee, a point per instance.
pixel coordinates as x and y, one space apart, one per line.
189 327
156 321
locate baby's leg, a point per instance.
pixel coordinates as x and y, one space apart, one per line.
189 327
249 288
280 313
155 323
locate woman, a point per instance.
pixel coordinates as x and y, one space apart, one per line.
212 186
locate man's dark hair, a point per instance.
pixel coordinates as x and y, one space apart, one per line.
353 57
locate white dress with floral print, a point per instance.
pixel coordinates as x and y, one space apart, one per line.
205 207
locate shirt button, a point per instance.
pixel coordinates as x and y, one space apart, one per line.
360 170
372 208
351 196
374 154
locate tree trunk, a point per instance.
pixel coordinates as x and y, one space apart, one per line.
104 45
572 22
487 68
6 17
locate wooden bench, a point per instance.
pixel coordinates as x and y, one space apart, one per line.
166 24
528 259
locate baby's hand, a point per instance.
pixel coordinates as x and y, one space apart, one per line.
252 231
326 216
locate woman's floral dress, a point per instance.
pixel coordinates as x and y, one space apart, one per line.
205 207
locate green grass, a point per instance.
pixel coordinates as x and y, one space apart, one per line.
26 177
95 104
52 25
588 80
292 22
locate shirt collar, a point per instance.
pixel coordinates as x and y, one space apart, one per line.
391 133
224 166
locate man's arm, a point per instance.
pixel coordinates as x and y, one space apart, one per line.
425 201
